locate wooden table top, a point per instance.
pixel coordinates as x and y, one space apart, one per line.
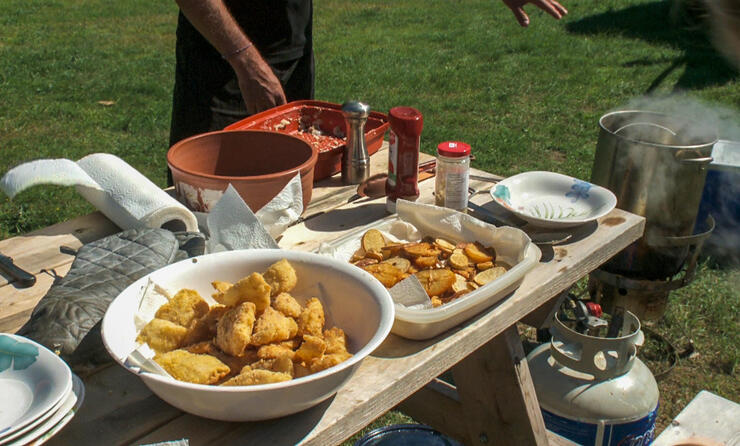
119 409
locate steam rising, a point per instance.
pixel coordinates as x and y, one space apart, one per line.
725 242
703 114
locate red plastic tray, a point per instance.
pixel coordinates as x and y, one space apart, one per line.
298 117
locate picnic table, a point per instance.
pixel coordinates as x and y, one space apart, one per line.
493 401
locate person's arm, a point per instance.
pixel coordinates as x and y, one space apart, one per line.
259 86
551 7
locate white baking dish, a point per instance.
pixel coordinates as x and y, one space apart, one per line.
415 221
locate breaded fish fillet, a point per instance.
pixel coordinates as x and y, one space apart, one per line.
281 277
252 288
191 367
273 326
311 320
183 308
234 330
251 377
286 304
162 335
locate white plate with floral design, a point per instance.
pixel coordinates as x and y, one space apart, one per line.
553 200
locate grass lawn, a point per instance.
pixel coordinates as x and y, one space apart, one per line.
84 77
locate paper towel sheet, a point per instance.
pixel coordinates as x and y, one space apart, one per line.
120 192
232 225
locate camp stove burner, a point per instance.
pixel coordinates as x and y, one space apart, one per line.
647 299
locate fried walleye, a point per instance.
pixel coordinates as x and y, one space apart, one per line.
446 270
258 333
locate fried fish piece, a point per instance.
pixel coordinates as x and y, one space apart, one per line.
162 335
326 361
204 328
235 363
300 370
281 277
312 347
220 286
336 340
281 365
184 307
275 351
251 377
252 288
311 320
286 304
234 329
200 348
191 367
273 326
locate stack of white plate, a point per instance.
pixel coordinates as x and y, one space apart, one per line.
39 394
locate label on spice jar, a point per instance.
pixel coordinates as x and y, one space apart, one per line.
456 189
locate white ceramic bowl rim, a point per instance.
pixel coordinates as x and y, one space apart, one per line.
605 208
386 305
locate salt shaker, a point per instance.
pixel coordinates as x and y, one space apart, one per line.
355 159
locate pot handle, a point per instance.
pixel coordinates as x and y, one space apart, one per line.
703 161
699 161
632 124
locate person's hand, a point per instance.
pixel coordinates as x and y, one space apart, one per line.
260 88
551 7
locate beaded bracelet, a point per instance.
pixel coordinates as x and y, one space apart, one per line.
234 53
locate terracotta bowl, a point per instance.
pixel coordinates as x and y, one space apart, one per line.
259 164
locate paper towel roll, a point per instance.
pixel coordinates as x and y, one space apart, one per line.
120 192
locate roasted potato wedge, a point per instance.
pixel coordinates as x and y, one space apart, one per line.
458 260
386 273
400 263
373 240
447 270
436 281
477 253
489 275
444 245
421 249
424 262
461 283
483 266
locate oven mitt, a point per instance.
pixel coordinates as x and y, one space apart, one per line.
68 318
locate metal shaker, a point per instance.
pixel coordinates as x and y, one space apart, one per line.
355 159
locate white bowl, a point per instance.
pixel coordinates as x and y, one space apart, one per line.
353 301
553 200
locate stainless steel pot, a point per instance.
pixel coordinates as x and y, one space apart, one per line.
656 166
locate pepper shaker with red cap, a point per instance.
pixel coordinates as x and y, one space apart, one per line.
406 124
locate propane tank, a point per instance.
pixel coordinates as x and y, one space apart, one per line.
594 390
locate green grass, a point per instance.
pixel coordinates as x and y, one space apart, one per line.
524 99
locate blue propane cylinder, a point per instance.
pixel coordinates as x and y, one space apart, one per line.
594 390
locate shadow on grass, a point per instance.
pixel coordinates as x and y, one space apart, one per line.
657 24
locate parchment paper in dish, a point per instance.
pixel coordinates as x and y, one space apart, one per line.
414 221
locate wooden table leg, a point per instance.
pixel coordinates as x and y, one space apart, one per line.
497 395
